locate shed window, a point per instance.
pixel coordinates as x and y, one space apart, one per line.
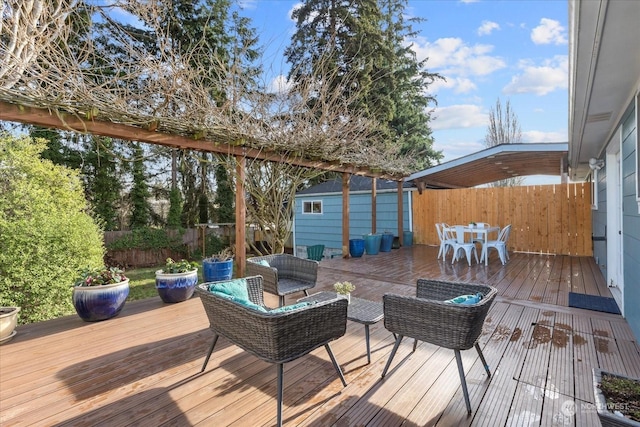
312 207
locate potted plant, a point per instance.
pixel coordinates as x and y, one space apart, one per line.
218 266
372 243
177 280
356 247
472 224
617 399
8 321
345 289
100 293
386 241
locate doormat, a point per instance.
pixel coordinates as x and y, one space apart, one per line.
593 302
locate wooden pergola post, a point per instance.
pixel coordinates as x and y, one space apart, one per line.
346 177
374 196
241 209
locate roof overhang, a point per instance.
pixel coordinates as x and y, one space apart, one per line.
604 73
494 164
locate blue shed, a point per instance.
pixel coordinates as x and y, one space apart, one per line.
318 212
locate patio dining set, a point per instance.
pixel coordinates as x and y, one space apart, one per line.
462 240
447 314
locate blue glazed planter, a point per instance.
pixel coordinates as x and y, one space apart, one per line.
176 287
372 243
356 247
386 242
215 271
407 238
95 303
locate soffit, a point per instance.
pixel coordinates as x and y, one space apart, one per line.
604 73
494 164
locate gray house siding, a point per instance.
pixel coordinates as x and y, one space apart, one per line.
630 223
326 228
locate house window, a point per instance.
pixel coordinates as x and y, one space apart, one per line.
312 207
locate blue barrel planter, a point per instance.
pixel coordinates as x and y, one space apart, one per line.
386 242
215 271
176 287
356 248
407 238
372 243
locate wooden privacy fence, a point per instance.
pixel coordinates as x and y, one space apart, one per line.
553 219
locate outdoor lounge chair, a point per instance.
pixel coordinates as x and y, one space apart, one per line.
285 274
429 317
315 252
273 337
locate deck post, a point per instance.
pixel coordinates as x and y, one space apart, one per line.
241 209
346 177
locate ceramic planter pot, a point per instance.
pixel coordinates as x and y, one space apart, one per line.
176 287
8 322
372 243
95 303
216 271
386 242
606 415
356 247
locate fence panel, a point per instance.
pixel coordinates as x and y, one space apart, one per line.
553 219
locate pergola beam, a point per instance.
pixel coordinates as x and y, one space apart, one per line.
46 118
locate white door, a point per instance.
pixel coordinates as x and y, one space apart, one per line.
615 278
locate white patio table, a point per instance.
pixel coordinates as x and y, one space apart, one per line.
481 231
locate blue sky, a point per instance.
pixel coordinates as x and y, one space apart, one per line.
514 50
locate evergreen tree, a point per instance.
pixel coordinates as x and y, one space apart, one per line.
103 185
225 212
58 150
139 195
175 209
407 87
361 49
227 51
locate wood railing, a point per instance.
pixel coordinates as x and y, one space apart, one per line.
553 219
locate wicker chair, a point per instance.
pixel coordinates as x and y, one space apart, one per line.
286 274
427 317
274 338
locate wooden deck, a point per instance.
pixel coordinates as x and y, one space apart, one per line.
142 367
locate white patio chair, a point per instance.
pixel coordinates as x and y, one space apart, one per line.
499 245
480 237
460 244
446 240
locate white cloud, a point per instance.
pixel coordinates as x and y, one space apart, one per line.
279 84
549 32
454 148
451 56
542 79
457 84
540 136
458 117
487 28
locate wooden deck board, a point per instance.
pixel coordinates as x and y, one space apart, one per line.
143 367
